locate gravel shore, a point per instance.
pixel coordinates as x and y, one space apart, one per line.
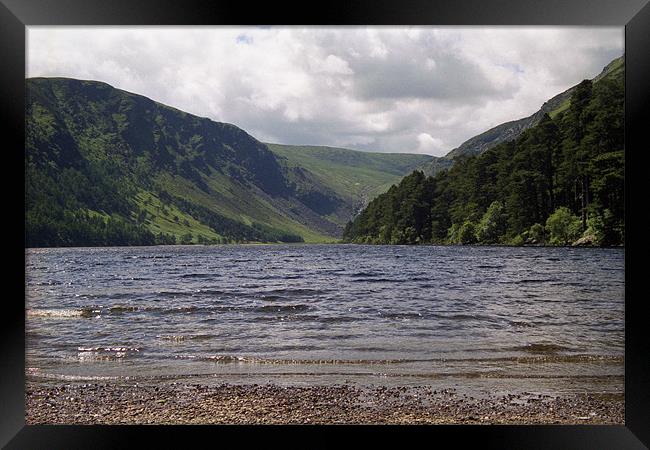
185 403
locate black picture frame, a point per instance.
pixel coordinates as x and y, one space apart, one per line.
15 15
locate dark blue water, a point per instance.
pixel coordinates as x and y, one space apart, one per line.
479 318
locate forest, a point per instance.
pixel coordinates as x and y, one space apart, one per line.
559 183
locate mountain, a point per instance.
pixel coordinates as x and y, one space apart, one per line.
558 182
511 130
357 177
108 167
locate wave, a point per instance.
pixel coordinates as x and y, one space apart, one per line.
521 324
401 316
200 275
535 280
295 291
276 308
282 308
108 349
105 353
270 277
48 283
275 374
115 296
287 317
378 280
273 361
612 359
341 319
271 298
173 294
148 257
200 293
364 274
122 309
101 310
185 337
60 313
542 348
65 377
460 375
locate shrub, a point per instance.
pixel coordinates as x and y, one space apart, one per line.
467 233
517 241
492 225
537 234
563 227
605 228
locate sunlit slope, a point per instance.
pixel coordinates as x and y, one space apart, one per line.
356 176
108 167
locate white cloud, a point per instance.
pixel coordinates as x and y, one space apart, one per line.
397 89
429 144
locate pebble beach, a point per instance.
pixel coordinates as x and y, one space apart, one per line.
184 403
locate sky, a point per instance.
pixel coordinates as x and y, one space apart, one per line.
385 89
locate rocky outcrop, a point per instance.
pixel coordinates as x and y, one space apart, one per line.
586 241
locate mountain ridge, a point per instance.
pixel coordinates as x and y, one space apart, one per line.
510 130
98 153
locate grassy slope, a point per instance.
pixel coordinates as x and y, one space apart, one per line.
235 202
170 220
354 175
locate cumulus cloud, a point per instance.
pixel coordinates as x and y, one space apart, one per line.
389 89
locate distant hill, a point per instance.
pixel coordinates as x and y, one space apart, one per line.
511 130
355 176
109 167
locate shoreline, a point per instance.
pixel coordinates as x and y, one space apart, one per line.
299 244
189 403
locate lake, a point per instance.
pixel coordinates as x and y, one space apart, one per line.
479 319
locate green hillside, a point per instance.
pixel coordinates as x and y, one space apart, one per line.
108 167
355 176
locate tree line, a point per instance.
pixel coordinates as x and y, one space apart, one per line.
558 183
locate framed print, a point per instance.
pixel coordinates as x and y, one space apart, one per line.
370 218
